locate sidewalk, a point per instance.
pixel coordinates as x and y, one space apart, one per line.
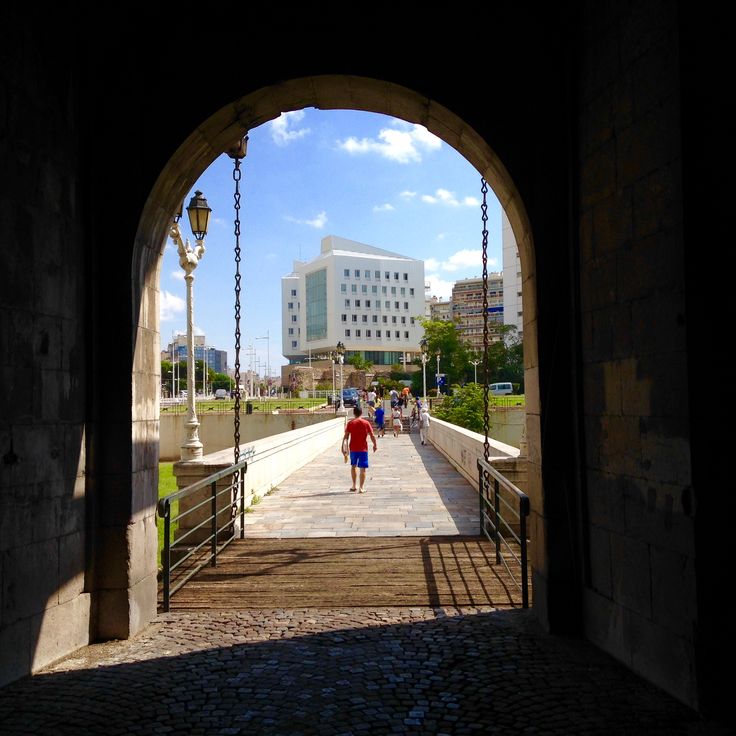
410 490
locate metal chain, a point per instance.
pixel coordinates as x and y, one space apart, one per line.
237 154
486 421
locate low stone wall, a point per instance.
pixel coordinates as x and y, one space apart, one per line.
216 430
463 448
506 424
270 460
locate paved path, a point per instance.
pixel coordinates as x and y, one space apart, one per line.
411 490
344 671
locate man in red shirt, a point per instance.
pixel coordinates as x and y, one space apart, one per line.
356 434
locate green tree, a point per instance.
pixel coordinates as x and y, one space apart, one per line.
464 408
221 380
444 337
359 362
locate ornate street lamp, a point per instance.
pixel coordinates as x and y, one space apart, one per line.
439 353
189 258
425 358
340 350
475 364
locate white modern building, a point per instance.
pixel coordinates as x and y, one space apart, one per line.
368 298
512 307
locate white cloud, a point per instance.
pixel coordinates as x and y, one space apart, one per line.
439 287
403 146
406 194
318 221
384 207
445 196
465 258
282 132
431 264
170 305
178 275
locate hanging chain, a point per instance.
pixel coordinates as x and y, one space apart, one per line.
484 211
237 153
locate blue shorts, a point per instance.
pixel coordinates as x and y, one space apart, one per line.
359 458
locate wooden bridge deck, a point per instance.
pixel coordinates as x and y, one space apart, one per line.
334 572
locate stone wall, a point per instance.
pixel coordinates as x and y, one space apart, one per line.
639 602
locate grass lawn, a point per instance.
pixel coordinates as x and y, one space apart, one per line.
166 485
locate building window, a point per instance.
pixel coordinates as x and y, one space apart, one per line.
384 290
406 277
406 305
396 275
393 290
354 288
393 320
357 302
374 289
396 305
411 292
367 333
388 334
367 303
377 274
347 304
364 288
355 317
347 333
293 318
293 343
397 334
412 320
406 335
291 330
365 318
367 274
344 288
346 273
357 333
316 288
375 318
403 320
344 317
293 292
378 333
385 319
403 291
357 273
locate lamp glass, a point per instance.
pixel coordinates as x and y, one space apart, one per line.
199 215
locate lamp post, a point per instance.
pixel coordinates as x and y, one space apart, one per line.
425 358
438 372
340 350
475 364
189 258
333 358
267 338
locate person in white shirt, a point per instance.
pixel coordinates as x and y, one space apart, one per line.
424 425
371 402
396 420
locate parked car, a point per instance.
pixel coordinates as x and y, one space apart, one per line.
499 389
221 393
350 397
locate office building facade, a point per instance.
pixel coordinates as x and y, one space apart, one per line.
368 298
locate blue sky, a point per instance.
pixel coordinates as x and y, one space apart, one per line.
312 173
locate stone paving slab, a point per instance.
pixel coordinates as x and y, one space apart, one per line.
410 488
344 671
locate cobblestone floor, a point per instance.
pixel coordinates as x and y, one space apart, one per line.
344 671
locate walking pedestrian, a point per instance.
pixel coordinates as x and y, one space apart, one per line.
355 440
424 425
379 417
396 420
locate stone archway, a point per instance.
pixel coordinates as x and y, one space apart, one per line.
226 126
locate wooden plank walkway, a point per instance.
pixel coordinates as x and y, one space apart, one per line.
351 572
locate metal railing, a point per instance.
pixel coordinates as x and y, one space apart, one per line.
493 522
201 552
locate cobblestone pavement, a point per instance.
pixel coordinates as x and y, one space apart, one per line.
344 671
410 490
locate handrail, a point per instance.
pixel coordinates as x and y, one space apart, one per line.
487 474
236 489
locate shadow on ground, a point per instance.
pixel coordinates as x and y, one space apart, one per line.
346 671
